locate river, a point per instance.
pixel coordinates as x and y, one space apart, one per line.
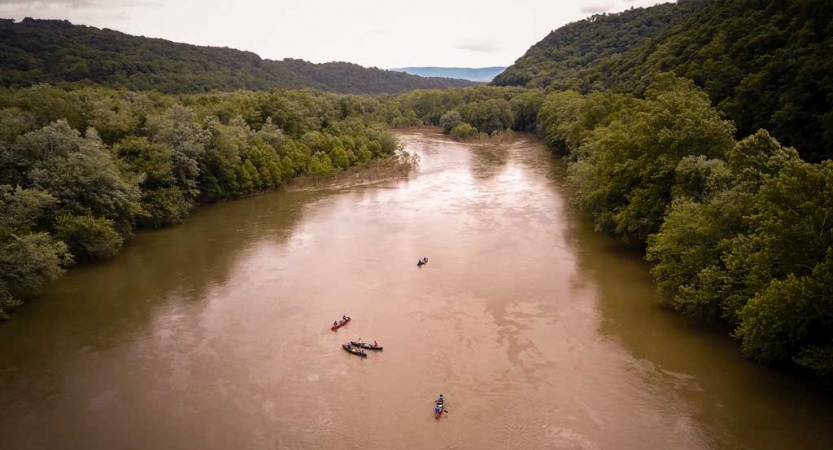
540 333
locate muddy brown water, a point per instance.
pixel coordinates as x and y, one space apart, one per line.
540 333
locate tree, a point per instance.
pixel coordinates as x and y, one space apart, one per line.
688 248
694 268
787 250
490 115
525 108
464 131
89 238
449 120
28 259
790 315
79 172
320 164
166 199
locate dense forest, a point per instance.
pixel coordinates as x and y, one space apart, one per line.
764 63
51 51
562 59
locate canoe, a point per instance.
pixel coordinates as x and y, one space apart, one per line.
354 351
339 325
365 345
442 410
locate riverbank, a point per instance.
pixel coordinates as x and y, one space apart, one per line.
496 137
373 172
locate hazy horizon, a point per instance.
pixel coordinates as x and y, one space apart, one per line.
465 34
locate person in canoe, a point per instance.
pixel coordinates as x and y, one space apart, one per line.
335 323
375 344
437 409
344 318
440 400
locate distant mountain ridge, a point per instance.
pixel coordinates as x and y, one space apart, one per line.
56 51
482 74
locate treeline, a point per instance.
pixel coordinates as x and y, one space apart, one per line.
764 63
52 51
465 113
81 169
740 232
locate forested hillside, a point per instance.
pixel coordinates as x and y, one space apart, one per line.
50 51
764 63
561 60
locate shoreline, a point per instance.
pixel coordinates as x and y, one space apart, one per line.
374 172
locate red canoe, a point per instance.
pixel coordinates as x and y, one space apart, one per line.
339 324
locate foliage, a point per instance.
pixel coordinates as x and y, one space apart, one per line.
490 115
788 259
764 63
51 51
567 118
88 238
449 120
28 259
626 170
493 108
562 58
754 250
525 108
464 131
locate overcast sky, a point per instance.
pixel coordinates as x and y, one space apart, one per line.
381 33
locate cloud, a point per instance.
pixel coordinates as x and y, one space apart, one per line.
73 3
78 4
100 13
596 9
482 46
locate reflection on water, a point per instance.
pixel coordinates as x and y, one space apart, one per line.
540 332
